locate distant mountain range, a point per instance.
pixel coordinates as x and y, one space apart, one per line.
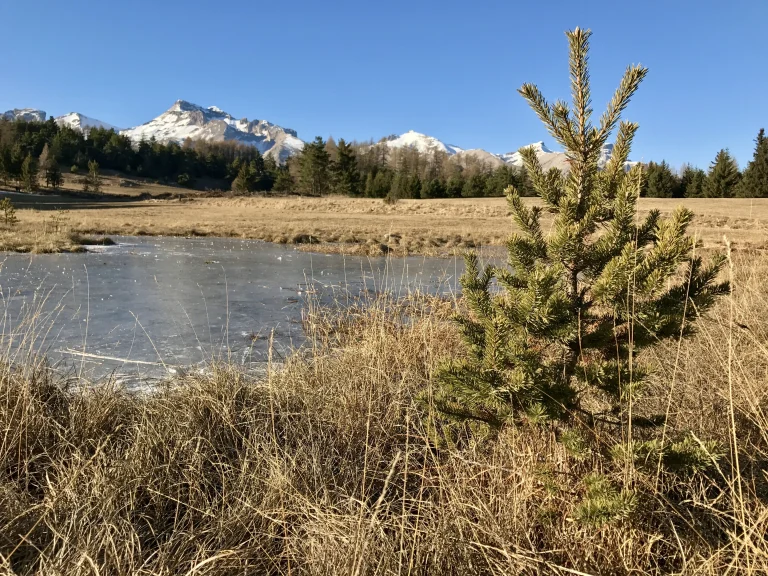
547 158
186 120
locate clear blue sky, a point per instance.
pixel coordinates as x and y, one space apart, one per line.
362 70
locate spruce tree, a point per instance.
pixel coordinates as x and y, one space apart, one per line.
575 304
314 163
245 181
29 174
754 182
723 176
347 174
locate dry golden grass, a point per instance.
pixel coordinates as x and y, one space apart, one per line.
362 225
327 466
131 186
38 238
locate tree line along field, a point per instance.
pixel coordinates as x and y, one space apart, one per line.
39 155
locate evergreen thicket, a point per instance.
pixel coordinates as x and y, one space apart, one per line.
165 162
661 182
692 181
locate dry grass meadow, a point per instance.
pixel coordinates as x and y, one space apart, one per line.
334 462
331 224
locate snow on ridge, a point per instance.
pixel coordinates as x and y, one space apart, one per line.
547 157
79 121
26 114
422 143
187 120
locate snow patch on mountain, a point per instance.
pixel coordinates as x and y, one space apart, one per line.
547 157
186 120
26 114
82 122
422 143
550 159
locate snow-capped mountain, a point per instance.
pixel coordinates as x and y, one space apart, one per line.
26 114
82 122
422 143
186 120
548 158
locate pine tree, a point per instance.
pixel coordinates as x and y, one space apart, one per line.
9 211
575 304
314 162
245 181
661 182
29 174
92 180
754 182
723 176
347 175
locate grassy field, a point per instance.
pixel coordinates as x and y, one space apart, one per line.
331 465
333 224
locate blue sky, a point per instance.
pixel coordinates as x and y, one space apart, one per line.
361 70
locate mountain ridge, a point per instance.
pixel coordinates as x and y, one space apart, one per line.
82 122
185 120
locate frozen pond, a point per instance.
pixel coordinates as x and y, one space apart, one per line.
149 305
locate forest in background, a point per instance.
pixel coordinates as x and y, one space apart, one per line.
33 156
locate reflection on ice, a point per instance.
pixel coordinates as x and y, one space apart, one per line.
146 306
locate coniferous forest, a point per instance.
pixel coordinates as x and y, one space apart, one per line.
33 155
